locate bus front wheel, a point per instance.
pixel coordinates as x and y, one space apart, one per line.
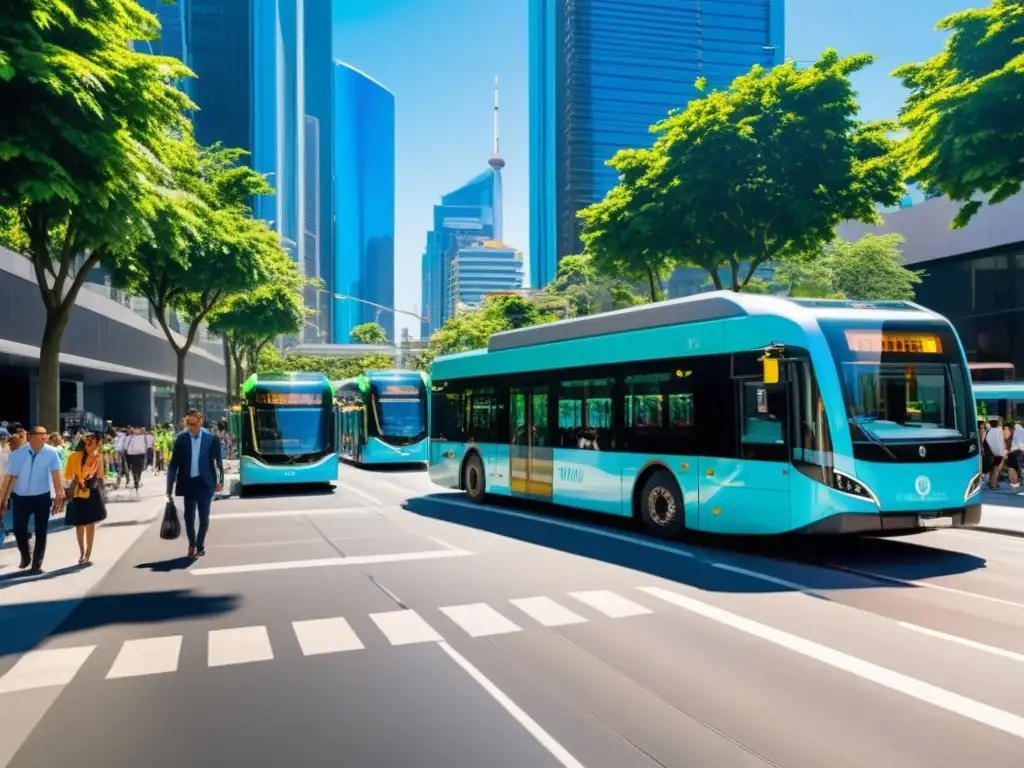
473 478
661 506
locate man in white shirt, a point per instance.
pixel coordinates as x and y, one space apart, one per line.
119 458
996 443
32 470
135 448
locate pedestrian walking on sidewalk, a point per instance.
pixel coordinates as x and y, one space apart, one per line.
198 468
32 471
86 507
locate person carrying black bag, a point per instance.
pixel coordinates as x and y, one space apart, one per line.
198 467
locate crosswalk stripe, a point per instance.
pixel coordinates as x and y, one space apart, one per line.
319 636
42 669
241 645
546 611
405 627
149 656
480 620
611 604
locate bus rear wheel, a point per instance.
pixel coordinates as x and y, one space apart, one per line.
473 478
661 506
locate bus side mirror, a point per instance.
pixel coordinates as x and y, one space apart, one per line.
770 372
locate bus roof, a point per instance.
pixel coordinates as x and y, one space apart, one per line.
719 305
999 390
363 380
292 380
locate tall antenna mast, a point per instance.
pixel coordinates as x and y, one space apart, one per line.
496 160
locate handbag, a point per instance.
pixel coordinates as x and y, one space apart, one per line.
170 528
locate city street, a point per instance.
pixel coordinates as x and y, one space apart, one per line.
392 623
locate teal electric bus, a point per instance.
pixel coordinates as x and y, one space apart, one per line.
286 427
728 413
383 416
1001 398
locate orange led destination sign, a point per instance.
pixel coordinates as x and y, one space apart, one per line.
288 398
397 390
906 343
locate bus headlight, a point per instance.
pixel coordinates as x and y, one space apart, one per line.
973 487
848 485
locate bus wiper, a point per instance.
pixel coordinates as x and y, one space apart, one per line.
873 438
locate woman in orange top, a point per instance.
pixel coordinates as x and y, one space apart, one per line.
84 471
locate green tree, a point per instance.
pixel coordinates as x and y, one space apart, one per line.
623 233
868 269
586 291
250 321
334 368
369 333
84 117
965 110
761 172
471 329
203 245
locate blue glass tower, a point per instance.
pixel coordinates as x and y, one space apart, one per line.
363 200
601 73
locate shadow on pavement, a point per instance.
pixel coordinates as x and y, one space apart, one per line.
20 624
167 566
23 577
532 523
411 468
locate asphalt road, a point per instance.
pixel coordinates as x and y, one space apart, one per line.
392 624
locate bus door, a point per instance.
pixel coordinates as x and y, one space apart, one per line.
751 494
531 457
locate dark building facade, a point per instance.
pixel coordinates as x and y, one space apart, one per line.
602 72
973 276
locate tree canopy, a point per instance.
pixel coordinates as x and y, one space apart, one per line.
334 368
760 172
369 333
965 112
587 291
84 123
868 269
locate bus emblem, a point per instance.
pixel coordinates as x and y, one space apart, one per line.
923 486
922 451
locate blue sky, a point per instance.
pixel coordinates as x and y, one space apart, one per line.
439 58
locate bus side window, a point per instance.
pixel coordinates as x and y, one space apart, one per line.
814 443
448 413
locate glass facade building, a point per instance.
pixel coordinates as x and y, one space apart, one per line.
364 201
466 214
602 72
482 268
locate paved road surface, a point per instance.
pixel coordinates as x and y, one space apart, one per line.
391 624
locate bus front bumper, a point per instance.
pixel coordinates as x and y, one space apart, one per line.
893 522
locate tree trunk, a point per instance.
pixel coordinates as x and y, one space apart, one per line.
180 392
653 283
48 411
240 377
227 372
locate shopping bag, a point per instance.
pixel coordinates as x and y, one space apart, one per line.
170 528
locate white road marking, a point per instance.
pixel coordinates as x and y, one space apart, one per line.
895 681
292 513
326 562
636 540
545 739
359 492
965 642
149 656
480 620
926 585
611 604
446 545
46 668
239 646
547 612
405 627
320 636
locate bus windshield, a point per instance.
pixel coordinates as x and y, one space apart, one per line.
290 431
901 383
401 416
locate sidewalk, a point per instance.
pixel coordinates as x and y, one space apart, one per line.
1002 511
31 607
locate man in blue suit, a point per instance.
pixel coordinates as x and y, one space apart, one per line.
197 465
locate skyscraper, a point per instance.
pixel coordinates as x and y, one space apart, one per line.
470 214
601 73
364 202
